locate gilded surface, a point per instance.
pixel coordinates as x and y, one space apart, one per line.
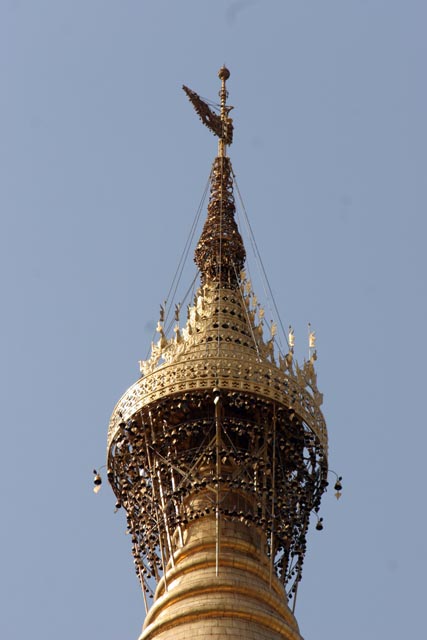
241 602
222 426
223 345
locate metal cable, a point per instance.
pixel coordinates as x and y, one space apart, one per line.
258 257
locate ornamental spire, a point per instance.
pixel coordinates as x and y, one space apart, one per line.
220 254
227 136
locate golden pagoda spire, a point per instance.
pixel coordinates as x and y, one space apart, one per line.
217 454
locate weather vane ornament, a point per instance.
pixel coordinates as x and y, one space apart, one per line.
220 125
217 455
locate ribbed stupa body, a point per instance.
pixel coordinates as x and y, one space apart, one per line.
239 600
218 454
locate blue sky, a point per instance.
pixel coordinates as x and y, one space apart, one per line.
102 166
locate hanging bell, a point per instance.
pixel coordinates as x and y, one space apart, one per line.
97 481
338 488
319 525
338 485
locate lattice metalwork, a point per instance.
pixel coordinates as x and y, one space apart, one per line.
167 467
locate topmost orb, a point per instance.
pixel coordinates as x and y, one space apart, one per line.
223 73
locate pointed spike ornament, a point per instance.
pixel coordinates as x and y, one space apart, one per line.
273 329
311 337
226 122
291 338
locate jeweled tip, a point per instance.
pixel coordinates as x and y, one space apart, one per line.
223 73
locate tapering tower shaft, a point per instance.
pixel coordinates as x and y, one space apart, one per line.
242 600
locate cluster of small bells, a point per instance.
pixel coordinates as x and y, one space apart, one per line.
270 480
